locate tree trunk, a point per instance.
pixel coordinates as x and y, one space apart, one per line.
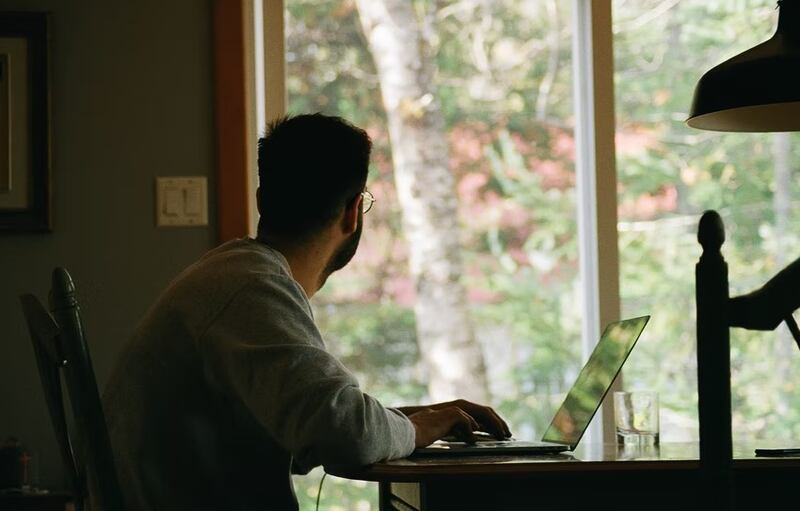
427 196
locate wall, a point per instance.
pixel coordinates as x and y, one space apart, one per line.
132 99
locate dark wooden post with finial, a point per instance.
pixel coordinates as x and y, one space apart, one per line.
713 362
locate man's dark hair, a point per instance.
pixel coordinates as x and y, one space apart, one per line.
309 168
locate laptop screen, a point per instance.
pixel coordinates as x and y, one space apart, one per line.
593 382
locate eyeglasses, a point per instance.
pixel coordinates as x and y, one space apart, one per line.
368 201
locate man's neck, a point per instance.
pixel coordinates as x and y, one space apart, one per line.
307 262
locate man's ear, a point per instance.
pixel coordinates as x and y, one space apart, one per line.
349 221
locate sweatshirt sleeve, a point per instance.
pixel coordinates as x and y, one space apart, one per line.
265 349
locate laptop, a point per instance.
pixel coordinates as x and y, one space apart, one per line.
574 415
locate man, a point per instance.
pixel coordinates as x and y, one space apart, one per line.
227 386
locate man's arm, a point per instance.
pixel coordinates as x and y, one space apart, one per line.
265 350
766 307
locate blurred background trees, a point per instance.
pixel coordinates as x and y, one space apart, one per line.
427 196
470 110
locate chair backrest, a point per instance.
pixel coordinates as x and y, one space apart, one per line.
61 350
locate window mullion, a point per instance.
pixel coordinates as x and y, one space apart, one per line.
596 183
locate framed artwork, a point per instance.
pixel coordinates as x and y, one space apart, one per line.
24 123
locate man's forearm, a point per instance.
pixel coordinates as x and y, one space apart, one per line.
409 410
766 307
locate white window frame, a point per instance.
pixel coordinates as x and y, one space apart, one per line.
596 185
268 64
596 179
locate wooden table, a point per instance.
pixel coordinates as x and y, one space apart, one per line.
593 477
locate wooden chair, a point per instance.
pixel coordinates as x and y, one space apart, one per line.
61 350
762 309
713 363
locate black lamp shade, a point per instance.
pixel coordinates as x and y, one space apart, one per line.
757 90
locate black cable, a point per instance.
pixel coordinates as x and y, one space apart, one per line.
319 491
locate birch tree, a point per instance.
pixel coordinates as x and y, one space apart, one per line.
427 195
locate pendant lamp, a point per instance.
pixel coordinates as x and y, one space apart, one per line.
757 90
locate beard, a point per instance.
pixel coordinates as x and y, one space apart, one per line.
344 253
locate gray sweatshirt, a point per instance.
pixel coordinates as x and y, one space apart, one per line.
226 386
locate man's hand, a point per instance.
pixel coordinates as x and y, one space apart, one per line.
458 418
431 425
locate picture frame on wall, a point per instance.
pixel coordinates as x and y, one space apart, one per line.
24 123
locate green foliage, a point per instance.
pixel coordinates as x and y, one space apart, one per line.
503 78
658 59
378 342
337 494
532 304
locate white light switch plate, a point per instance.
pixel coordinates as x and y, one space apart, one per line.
181 201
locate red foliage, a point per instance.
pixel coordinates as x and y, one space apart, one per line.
466 144
469 187
477 295
401 290
635 140
563 144
650 205
553 173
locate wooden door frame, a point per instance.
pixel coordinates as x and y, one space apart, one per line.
231 118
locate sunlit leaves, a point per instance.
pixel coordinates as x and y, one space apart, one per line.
658 60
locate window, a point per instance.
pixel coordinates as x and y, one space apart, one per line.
668 175
467 278
505 159
500 76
